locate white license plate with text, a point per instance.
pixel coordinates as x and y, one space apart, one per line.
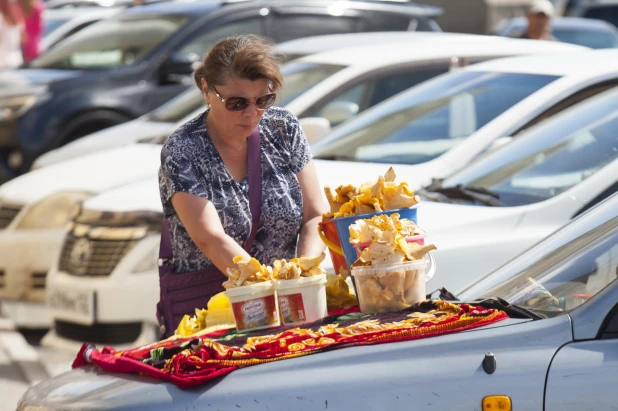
72 305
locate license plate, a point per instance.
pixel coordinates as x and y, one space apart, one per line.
72 305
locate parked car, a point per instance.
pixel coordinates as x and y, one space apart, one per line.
62 23
557 351
125 66
22 276
596 34
341 82
83 4
595 9
440 127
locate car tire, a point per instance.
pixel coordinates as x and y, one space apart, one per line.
90 122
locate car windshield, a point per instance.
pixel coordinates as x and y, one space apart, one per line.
426 121
52 23
111 43
594 39
552 157
297 80
300 77
561 272
178 108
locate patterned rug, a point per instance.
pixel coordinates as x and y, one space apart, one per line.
192 361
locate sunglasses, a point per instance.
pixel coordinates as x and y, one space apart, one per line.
241 103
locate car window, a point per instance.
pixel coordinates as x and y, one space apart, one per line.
428 120
388 86
570 101
392 22
344 105
111 43
555 169
608 13
355 99
291 27
70 33
178 108
301 76
204 42
567 277
552 157
594 39
51 24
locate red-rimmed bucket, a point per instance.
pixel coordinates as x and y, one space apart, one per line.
330 237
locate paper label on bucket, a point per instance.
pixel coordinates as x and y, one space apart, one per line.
254 313
292 308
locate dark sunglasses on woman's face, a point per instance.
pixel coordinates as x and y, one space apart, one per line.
241 103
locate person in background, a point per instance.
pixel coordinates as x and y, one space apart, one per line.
539 17
32 11
11 32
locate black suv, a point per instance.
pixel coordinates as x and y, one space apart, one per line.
125 66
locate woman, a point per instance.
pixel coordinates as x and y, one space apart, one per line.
11 32
203 177
33 21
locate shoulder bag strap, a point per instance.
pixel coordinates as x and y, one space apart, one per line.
255 185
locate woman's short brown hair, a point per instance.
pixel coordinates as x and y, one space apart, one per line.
247 56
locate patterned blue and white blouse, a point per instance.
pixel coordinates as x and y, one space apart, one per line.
190 163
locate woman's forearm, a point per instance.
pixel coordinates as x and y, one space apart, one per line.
222 250
309 242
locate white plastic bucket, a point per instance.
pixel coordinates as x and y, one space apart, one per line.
255 306
302 300
391 287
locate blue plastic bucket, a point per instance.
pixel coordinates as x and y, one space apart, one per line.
343 229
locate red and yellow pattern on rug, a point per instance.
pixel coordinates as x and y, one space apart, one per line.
192 361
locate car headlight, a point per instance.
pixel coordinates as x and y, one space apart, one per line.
53 211
11 107
150 261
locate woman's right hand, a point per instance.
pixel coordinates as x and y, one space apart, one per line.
199 216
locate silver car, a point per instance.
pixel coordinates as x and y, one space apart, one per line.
557 351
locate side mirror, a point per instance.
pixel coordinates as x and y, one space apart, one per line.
498 143
179 67
315 128
339 111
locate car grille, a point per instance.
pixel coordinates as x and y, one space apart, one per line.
38 280
7 214
99 333
92 257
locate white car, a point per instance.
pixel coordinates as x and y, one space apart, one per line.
106 277
61 23
441 126
341 81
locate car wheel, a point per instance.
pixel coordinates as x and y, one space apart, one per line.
90 122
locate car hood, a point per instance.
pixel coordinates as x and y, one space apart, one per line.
426 370
14 81
94 173
141 195
113 137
